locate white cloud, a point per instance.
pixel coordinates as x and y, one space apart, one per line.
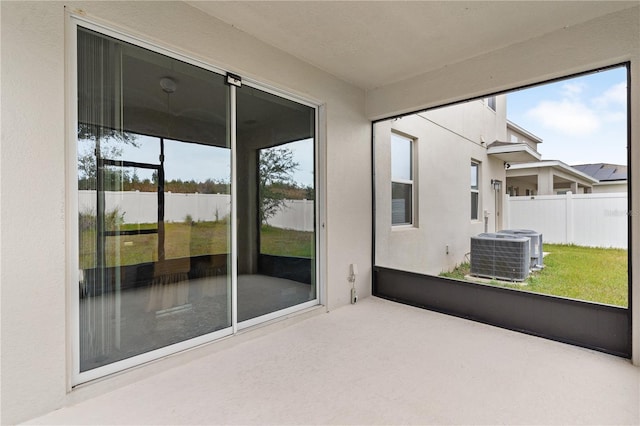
573 90
614 117
566 116
616 95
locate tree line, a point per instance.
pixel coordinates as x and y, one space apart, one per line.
119 180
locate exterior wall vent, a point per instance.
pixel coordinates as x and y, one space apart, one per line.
500 256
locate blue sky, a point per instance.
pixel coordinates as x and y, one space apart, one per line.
189 161
580 120
185 161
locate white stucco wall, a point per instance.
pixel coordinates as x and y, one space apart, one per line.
474 120
35 306
610 187
446 141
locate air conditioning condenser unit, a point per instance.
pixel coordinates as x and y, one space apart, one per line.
500 256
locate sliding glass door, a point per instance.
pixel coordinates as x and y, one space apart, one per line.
156 210
276 203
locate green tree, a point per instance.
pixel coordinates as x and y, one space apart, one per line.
110 146
275 171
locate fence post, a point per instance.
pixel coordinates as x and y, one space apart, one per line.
506 212
569 220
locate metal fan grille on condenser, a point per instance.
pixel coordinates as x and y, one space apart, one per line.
500 256
535 245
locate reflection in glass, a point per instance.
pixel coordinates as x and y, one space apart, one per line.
400 157
153 180
400 203
474 205
276 203
474 176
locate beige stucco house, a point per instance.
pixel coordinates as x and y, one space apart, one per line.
547 177
449 146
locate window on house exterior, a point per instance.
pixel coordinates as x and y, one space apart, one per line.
491 102
475 190
401 180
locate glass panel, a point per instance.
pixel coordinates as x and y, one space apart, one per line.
401 206
153 179
276 203
401 158
568 236
491 102
474 176
474 205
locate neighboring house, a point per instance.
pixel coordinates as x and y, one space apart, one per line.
534 176
519 145
610 177
517 134
548 177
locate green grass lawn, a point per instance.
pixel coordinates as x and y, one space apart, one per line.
584 273
188 240
286 242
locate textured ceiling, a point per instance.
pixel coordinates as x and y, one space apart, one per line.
371 44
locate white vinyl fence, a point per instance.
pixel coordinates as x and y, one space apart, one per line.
142 207
593 220
296 214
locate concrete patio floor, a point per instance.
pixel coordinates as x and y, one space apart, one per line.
378 362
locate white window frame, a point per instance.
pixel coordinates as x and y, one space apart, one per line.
412 162
476 190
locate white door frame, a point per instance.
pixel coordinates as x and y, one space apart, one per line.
73 21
